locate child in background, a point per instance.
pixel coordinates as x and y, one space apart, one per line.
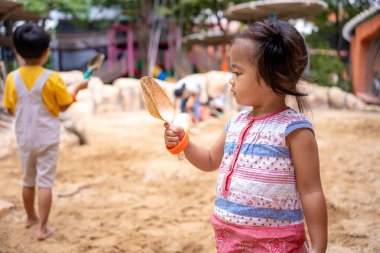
268 162
190 95
36 96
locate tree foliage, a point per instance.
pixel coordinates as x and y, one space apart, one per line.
329 36
331 21
193 15
79 9
196 13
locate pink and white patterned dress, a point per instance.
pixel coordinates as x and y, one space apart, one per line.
256 190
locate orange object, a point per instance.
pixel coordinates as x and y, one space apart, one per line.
224 66
74 97
365 33
181 146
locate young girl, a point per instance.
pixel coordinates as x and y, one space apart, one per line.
268 156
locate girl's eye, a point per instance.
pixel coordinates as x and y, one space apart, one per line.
236 73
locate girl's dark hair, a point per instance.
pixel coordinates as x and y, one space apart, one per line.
30 40
280 56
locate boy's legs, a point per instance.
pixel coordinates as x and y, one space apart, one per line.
44 204
28 163
46 170
28 199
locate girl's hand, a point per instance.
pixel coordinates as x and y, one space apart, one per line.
173 135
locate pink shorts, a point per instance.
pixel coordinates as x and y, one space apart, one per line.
232 238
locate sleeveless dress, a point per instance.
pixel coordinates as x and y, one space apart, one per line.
257 208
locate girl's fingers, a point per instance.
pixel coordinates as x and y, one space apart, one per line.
171 136
170 127
172 139
171 143
171 132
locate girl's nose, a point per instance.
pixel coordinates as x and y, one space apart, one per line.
231 81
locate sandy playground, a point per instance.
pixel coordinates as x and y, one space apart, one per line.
125 193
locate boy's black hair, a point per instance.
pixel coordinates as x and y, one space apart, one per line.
30 41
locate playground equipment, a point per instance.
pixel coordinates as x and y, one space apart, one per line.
127 62
125 46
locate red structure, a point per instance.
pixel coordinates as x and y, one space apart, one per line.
127 62
364 33
122 49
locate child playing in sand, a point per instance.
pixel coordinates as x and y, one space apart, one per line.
35 96
188 93
267 157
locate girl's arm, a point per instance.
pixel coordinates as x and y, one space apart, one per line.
200 157
304 152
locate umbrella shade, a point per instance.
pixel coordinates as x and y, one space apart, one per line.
283 9
11 10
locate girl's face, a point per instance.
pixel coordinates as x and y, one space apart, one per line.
247 88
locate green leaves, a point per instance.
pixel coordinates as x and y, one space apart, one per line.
329 36
78 9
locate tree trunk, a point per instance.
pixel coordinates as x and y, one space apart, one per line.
142 33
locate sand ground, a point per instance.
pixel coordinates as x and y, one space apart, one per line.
125 193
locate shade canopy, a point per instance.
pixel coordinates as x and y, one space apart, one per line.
76 41
11 10
282 9
213 38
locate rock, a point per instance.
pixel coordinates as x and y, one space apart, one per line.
5 207
130 93
71 77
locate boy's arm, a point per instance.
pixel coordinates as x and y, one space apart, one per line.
304 152
7 111
10 112
200 157
9 100
78 87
